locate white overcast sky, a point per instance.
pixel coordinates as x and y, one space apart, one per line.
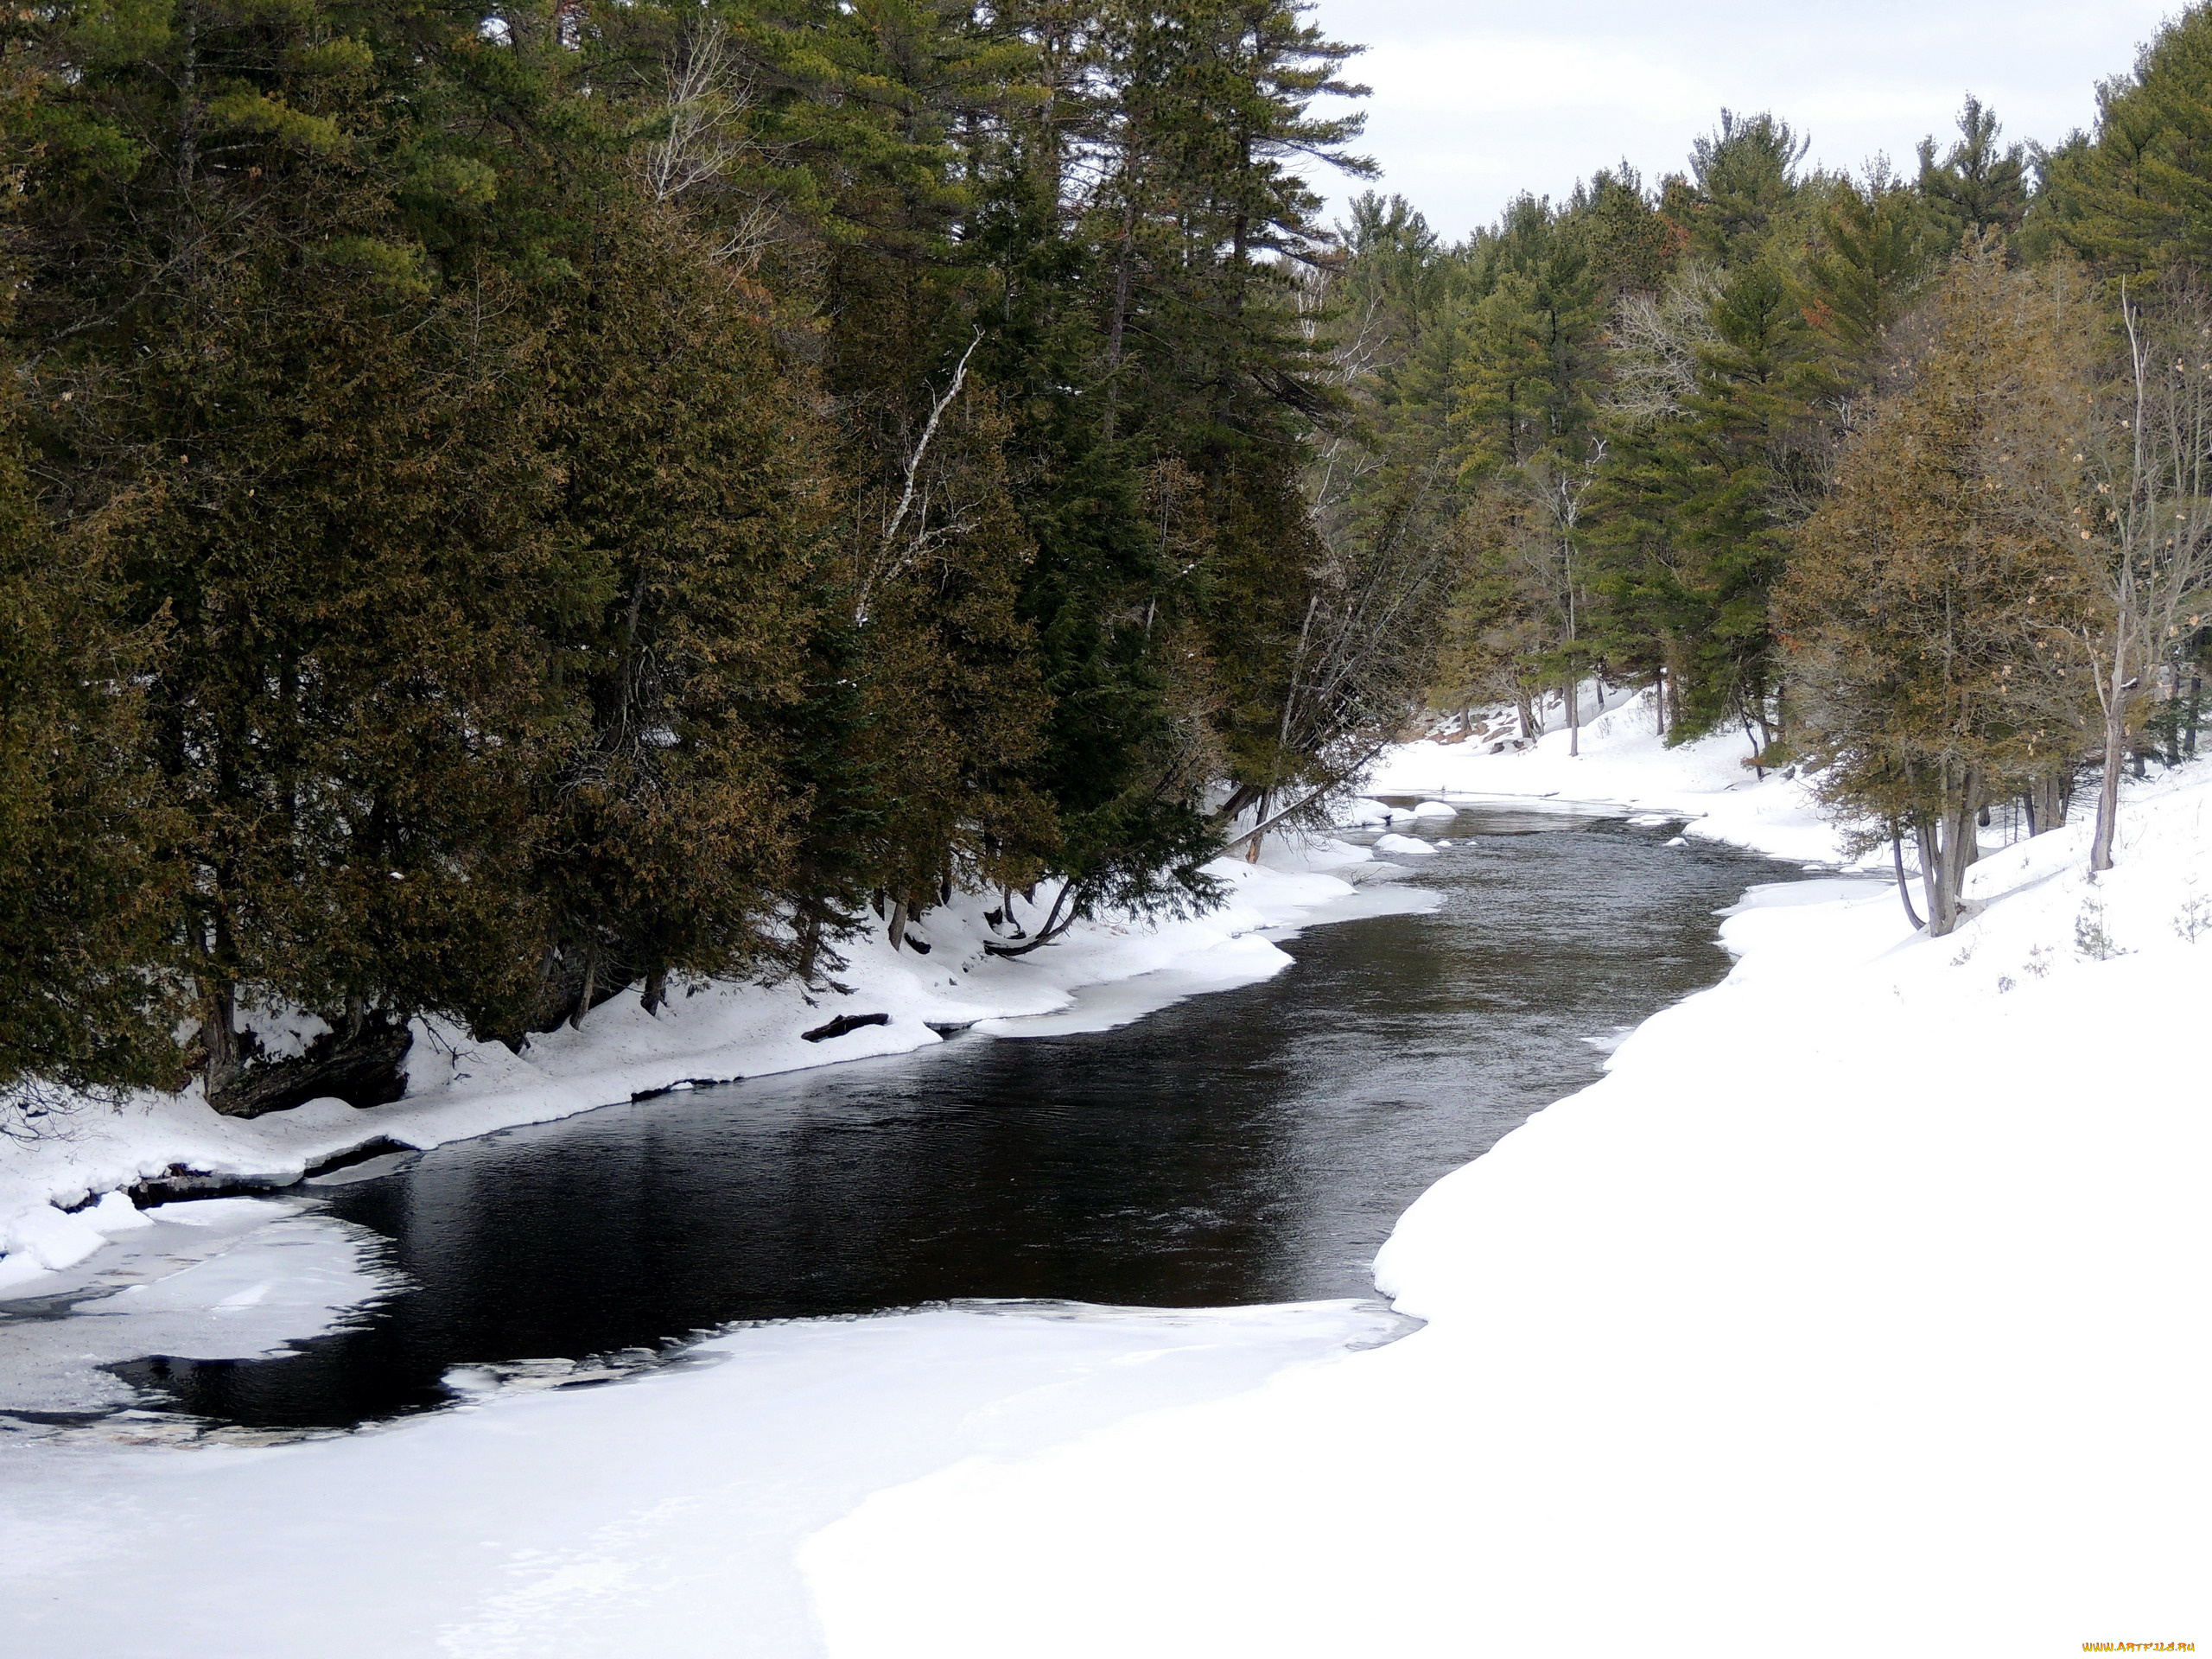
1476 101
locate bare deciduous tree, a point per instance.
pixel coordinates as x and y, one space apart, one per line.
2146 522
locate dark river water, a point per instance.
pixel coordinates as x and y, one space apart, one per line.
1248 1146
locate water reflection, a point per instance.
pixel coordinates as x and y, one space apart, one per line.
1251 1145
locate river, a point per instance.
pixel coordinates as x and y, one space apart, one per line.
1250 1145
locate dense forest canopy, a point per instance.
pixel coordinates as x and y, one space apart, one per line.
497 508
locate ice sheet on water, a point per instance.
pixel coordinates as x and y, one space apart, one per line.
658 1517
1119 1002
207 1279
370 1169
1379 897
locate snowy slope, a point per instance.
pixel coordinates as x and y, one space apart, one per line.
1861 1308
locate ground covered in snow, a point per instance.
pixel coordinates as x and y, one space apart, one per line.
1861 1308
1624 762
657 1516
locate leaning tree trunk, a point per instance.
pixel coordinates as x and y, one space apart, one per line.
583 1006
1904 891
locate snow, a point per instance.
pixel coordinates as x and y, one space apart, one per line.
1436 809
1859 1308
658 1517
710 1032
1624 762
210 1279
1402 846
1358 812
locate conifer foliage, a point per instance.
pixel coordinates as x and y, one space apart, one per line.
502 503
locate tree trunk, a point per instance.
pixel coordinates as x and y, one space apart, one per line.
2046 801
1940 917
1570 694
1947 844
2101 845
896 930
1904 891
219 1038
810 946
1961 847
656 990
583 993
1532 724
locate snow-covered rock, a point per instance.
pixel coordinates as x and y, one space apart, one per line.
1359 813
1436 809
1403 847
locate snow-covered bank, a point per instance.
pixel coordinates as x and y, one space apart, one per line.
1861 1308
714 1033
1624 762
656 1518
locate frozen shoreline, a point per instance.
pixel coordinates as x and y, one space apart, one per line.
52 1212
1860 1307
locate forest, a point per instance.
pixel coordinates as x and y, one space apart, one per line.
503 508
1903 475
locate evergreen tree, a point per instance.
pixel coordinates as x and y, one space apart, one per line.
2136 195
317 460
1977 189
1935 602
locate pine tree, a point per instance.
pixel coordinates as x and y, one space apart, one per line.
693 515
1977 189
2136 196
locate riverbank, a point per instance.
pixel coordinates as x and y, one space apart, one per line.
61 1192
1861 1308
1619 759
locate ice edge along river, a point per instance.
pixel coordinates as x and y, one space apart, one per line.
1860 1308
